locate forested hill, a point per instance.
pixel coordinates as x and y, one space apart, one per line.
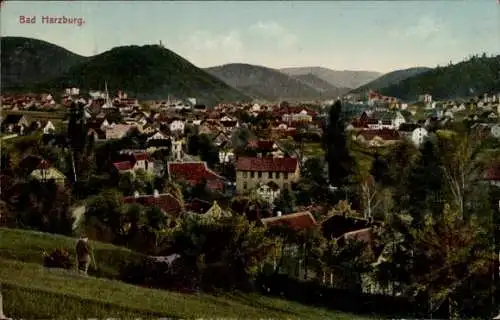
474 76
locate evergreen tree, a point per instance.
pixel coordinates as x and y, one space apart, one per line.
340 162
380 170
425 183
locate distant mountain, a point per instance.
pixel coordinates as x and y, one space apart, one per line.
326 89
473 77
28 61
337 78
390 78
263 83
145 72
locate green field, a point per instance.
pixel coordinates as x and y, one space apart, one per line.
313 149
32 291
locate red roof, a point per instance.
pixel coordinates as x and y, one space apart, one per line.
123 166
164 201
43 165
261 144
361 235
492 173
194 173
140 156
267 164
296 221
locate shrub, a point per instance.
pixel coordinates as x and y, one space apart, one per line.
59 258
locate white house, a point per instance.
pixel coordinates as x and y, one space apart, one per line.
177 150
495 131
177 126
49 128
158 136
418 136
398 120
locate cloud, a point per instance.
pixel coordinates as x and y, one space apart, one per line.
274 31
203 41
426 28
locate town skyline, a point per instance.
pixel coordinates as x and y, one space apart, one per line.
374 36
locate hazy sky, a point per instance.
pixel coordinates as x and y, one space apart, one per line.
356 35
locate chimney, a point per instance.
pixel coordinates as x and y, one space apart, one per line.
156 193
278 214
136 194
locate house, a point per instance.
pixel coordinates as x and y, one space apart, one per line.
177 126
216 212
45 172
177 151
118 131
15 123
378 138
419 135
492 175
296 221
169 204
49 128
194 173
383 120
252 172
138 161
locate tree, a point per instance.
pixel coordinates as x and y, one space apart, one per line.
44 207
285 201
380 170
451 251
346 263
77 135
230 250
439 260
208 151
425 183
462 166
104 216
338 157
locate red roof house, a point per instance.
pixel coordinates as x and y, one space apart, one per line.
165 201
194 173
267 164
296 221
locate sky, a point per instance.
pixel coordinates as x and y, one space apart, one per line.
352 35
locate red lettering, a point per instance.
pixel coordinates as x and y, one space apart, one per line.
25 19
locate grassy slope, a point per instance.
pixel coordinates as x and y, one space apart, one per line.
30 291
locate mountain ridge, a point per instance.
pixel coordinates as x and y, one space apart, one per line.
390 78
147 72
262 82
471 77
338 78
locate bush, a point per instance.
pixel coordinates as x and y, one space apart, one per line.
59 258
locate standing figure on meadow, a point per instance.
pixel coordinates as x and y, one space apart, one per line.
84 254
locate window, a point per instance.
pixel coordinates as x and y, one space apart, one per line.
259 174
278 175
245 185
245 174
270 175
252 174
286 175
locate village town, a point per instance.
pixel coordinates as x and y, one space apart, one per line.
262 161
249 160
